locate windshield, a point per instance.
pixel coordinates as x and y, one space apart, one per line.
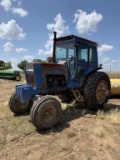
64 50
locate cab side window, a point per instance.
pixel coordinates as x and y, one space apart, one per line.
93 54
83 52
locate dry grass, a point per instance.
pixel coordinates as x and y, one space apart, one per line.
99 132
28 129
112 115
80 134
101 114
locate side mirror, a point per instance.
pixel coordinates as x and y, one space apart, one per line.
100 65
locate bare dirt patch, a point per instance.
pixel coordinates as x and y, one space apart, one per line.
80 134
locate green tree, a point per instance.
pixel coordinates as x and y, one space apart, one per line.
5 65
38 60
21 65
1 64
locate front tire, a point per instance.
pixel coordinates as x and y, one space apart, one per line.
46 113
96 90
17 107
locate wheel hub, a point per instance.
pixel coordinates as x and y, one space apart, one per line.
102 91
49 113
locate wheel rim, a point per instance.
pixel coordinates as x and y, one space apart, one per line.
49 114
17 78
101 91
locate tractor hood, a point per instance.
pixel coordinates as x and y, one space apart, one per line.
47 76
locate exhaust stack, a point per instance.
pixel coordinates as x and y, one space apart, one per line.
54 44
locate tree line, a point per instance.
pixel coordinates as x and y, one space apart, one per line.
7 65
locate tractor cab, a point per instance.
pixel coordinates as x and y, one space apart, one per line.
80 55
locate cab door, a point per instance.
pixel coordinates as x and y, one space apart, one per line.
86 59
82 58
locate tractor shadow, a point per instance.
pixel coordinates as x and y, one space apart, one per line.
70 112
74 111
21 115
113 103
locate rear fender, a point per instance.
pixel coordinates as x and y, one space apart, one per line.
85 76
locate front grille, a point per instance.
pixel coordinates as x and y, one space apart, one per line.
30 78
56 80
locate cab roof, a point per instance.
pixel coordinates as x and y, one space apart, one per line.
78 39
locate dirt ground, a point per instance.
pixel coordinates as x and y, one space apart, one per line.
80 134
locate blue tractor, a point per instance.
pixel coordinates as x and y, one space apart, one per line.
71 73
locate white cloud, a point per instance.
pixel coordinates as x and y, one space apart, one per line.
61 29
28 57
113 61
58 26
11 30
104 48
49 42
8 46
19 11
6 4
87 23
14 63
106 59
41 52
13 60
21 49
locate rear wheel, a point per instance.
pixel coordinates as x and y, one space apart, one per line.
96 90
46 113
17 107
18 78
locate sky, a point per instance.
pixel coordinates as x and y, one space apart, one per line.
26 28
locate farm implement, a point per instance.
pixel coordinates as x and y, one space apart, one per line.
15 75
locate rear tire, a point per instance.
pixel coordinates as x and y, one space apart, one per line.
17 107
96 90
18 78
46 113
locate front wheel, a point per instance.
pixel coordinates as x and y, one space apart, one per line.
46 113
96 90
17 107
